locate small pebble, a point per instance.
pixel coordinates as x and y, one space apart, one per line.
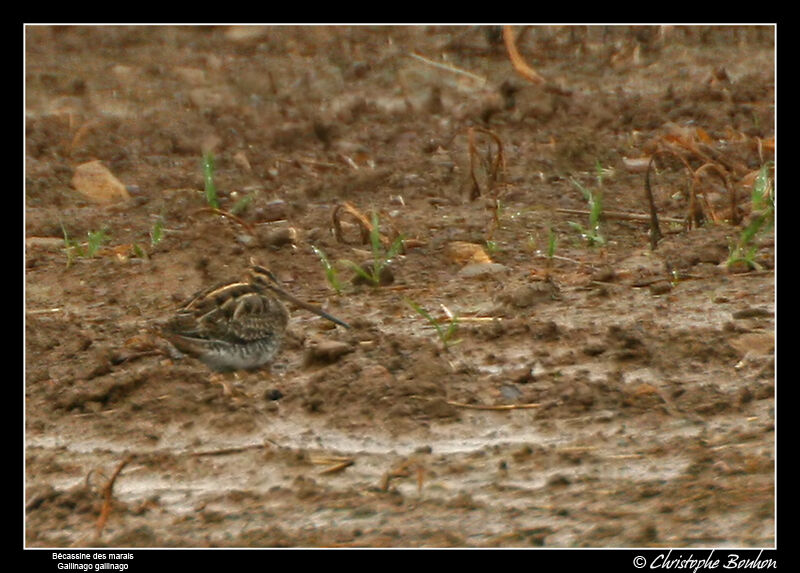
326 351
661 287
281 237
752 312
273 394
482 270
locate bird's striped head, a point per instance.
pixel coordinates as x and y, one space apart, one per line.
264 280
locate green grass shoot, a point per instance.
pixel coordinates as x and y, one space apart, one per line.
551 243
242 204
763 196
602 172
208 176
762 218
94 241
590 234
139 252
445 333
330 271
380 256
71 247
157 232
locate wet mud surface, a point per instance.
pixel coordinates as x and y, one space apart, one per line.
606 396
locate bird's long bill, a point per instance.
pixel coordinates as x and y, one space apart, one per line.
309 307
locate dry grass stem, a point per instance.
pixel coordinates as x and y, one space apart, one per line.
404 470
494 407
231 216
107 492
481 81
227 451
336 464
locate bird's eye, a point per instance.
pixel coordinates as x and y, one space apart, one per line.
263 275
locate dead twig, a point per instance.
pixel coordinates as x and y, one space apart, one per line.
336 464
620 215
496 407
404 470
231 216
227 451
341 466
107 491
655 229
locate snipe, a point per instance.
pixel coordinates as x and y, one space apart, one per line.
236 325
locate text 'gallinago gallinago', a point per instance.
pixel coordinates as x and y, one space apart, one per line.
238 325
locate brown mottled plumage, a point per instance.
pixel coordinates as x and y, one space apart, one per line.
238 325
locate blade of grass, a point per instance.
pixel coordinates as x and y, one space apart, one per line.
71 247
330 271
381 256
243 203
157 232
444 335
762 218
551 243
592 234
208 175
95 241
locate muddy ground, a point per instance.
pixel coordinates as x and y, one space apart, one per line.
637 386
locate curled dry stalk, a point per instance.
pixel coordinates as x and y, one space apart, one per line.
494 165
364 224
497 164
723 175
520 65
383 249
698 203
